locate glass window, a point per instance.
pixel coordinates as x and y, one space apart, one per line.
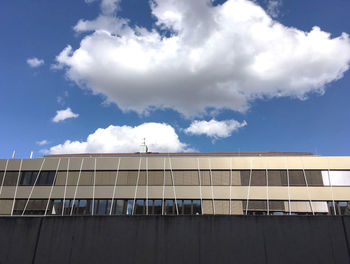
187 207
57 207
245 175
139 207
118 207
149 209
296 178
314 178
344 208
277 178
197 209
129 207
11 178
28 177
258 178
105 178
337 178
179 207
157 207
102 207
169 207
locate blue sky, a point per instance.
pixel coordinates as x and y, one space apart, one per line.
294 99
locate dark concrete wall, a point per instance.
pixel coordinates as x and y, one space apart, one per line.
177 239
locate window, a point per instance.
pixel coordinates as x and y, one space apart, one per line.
258 178
197 209
277 178
28 177
169 207
336 178
10 178
139 207
314 178
296 178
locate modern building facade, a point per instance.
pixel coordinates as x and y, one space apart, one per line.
176 184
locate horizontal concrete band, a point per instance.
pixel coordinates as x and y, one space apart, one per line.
180 163
181 192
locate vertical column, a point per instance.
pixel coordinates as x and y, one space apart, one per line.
14 197
65 187
3 178
307 187
200 185
114 187
163 202
76 187
32 189
137 183
230 186
173 183
250 179
53 183
267 187
146 185
93 189
330 183
211 185
289 204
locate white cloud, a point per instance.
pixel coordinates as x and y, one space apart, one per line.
160 137
273 8
35 62
64 114
42 142
213 128
213 57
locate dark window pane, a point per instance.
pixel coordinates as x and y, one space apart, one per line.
157 207
129 207
43 178
344 208
169 207
118 207
50 177
314 178
245 175
277 178
140 207
10 178
197 207
296 178
102 206
149 209
179 207
187 207
258 178
57 207
26 178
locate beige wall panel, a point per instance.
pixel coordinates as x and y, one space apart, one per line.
206 192
155 192
258 192
207 207
105 192
141 192
41 192
241 163
239 192
49 164
57 192
23 192
63 164
125 192
7 192
315 163
236 207
89 163
299 193
189 163
341 193
276 163
320 193
108 163
222 163
13 164
32 164
169 192
339 163
3 164
222 207
131 163
75 163
236 178
278 193
259 163
294 163
5 207
70 192
156 163
221 192
204 163
185 192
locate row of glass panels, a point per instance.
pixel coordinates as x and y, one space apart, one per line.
185 177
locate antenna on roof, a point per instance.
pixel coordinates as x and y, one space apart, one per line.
143 147
13 154
31 155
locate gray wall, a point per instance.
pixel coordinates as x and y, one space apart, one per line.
179 239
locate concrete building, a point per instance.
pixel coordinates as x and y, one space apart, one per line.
176 184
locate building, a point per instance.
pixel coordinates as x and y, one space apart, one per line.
176 184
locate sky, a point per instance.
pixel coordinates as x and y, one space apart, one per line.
90 76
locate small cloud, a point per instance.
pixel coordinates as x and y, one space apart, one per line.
66 94
64 114
214 129
35 62
42 142
273 8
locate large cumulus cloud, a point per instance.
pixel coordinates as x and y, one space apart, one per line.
199 56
